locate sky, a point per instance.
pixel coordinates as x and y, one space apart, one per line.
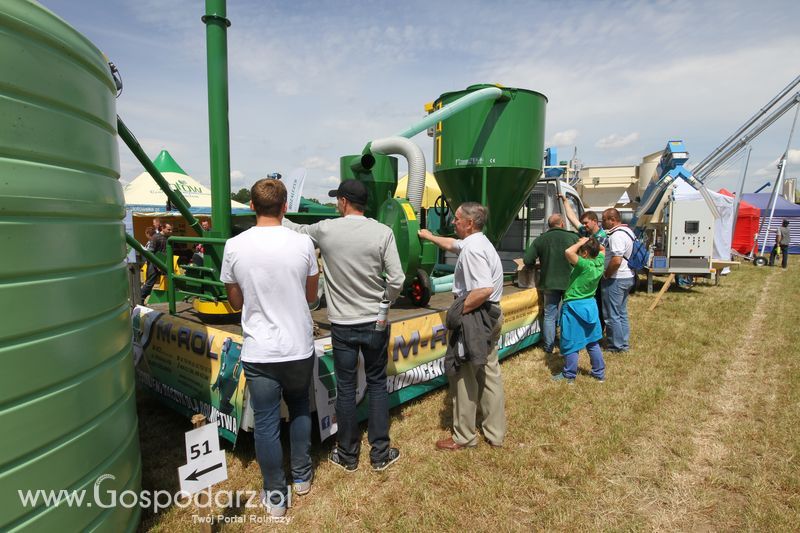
311 81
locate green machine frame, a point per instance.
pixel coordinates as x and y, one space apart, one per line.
516 166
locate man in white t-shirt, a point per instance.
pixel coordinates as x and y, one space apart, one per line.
270 273
478 276
617 282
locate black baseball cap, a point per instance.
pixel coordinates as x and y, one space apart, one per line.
353 190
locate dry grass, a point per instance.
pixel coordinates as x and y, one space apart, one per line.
696 428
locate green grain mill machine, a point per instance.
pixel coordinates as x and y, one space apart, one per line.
491 152
488 146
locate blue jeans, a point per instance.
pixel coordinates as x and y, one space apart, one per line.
615 311
266 383
552 310
347 342
595 356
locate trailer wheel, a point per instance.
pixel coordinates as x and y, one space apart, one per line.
760 261
419 292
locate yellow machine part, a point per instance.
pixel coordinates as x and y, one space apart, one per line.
213 308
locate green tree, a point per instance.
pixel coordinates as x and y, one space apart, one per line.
243 196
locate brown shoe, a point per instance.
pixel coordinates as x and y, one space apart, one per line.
449 444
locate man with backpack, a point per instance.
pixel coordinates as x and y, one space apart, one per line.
618 280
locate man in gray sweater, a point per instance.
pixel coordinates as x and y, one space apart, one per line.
361 267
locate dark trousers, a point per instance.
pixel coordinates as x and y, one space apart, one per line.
150 280
267 383
784 255
598 297
347 342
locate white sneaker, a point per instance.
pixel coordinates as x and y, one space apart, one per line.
275 511
302 488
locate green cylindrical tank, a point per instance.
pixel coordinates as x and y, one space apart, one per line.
67 395
380 178
491 153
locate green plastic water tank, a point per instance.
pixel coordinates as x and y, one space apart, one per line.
491 153
67 396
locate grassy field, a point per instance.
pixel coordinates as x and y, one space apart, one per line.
697 428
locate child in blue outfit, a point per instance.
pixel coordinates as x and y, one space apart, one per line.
580 321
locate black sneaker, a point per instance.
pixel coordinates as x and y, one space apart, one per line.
337 459
391 457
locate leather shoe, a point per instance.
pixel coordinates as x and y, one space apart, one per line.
449 444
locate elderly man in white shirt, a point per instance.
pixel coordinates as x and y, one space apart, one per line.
479 277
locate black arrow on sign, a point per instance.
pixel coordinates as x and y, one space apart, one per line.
198 473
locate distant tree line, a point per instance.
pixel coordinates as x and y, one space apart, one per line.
243 196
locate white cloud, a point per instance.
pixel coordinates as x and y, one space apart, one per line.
318 188
765 172
307 85
771 169
564 138
315 162
239 180
153 146
617 141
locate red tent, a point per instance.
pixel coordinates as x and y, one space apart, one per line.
746 225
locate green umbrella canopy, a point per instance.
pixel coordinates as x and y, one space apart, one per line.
165 163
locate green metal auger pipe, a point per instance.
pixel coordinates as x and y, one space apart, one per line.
175 197
147 254
487 93
217 23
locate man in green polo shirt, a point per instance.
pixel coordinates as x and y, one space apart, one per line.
553 272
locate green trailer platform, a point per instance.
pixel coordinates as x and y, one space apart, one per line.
194 367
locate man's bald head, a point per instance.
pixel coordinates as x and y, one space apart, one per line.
555 221
611 218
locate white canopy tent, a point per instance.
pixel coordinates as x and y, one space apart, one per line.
144 194
144 199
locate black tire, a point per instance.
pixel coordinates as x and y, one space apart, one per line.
760 261
420 291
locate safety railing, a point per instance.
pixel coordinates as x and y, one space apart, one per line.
218 288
